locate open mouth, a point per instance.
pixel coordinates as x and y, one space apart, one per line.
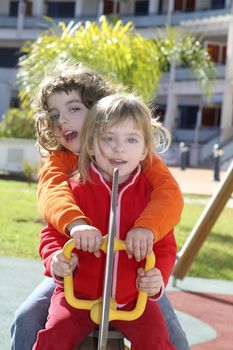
117 162
70 135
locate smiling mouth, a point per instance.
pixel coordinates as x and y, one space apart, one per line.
70 135
117 162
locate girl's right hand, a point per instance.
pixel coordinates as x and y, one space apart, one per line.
87 238
61 266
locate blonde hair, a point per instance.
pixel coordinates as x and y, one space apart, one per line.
66 77
113 110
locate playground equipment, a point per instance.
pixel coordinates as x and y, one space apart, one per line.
95 306
104 309
205 223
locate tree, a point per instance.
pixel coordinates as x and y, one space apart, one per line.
117 51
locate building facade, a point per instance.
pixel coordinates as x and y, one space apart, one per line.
180 99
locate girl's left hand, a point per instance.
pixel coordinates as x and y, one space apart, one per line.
150 281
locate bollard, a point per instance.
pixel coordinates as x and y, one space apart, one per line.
184 155
217 152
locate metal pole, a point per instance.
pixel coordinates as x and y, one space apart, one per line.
216 168
184 155
103 330
198 124
217 153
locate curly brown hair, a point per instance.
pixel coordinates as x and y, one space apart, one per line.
90 85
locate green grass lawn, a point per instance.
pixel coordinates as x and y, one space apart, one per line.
19 219
215 258
20 225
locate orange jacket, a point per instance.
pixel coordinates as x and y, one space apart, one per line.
57 204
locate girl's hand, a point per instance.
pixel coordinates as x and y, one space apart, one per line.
139 243
150 281
61 266
87 238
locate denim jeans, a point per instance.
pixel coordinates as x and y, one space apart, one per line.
32 315
176 333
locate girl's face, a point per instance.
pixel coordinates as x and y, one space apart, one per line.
68 114
121 146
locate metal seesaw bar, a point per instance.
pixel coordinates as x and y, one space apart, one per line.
103 329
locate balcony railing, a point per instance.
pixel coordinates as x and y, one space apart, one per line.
145 21
188 135
36 22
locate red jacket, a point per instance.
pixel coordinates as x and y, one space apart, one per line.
57 204
94 199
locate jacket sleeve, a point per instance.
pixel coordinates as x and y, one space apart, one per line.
55 198
50 242
165 207
165 255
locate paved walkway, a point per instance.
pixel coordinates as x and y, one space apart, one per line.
196 181
204 307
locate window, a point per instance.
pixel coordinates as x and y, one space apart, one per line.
188 117
141 8
217 4
9 57
211 116
217 52
159 112
61 9
14 8
184 5
109 7
160 7
178 5
14 102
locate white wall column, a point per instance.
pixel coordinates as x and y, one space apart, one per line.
227 104
153 7
100 8
38 8
5 97
228 4
171 109
78 8
170 8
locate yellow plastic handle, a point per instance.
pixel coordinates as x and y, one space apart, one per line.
95 305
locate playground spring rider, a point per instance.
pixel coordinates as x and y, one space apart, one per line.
104 310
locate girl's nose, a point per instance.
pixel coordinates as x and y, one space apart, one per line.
62 118
119 147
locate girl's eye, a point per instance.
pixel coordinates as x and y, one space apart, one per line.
132 140
54 117
75 109
108 139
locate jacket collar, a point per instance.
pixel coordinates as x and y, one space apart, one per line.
97 176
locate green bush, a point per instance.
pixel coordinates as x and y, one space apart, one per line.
30 171
17 123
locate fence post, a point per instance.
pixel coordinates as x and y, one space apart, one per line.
217 152
184 155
